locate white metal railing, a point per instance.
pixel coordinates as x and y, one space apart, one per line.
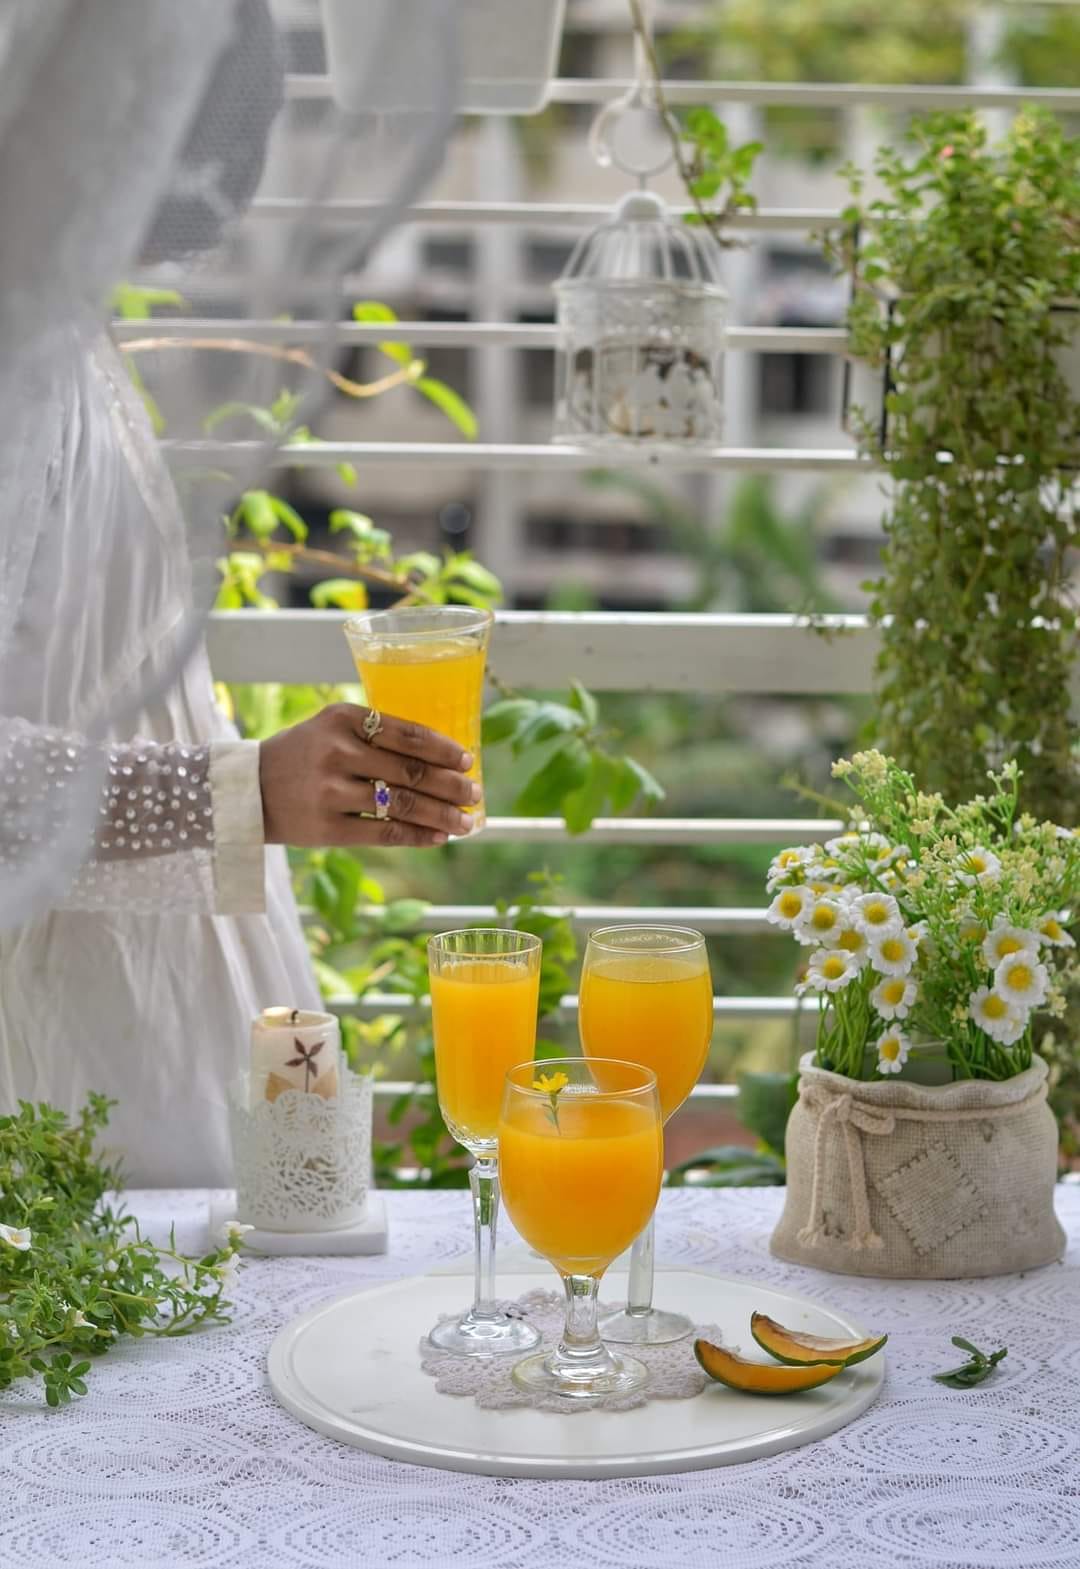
624 652
816 95
444 334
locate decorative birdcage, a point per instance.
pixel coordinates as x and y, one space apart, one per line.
641 313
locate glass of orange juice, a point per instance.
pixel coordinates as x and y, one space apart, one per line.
485 991
426 663
581 1149
646 995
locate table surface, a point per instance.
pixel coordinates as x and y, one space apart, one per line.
181 1456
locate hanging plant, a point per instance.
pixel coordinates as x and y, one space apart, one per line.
966 277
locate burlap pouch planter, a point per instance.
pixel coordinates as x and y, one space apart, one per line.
900 1180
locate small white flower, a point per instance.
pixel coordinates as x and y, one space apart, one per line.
892 998
236 1230
788 905
788 861
228 1270
853 940
18 1237
821 922
842 842
80 1321
1002 940
977 865
1022 979
878 914
995 1014
830 970
893 954
892 1049
1052 932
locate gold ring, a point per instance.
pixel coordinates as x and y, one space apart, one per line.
372 724
382 799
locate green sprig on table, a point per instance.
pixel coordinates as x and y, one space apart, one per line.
979 1365
76 1275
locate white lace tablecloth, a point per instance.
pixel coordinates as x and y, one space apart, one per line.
181 1456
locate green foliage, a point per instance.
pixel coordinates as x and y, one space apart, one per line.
133 302
76 1276
579 776
449 402
1042 44
717 173
975 245
978 1366
764 1105
729 1166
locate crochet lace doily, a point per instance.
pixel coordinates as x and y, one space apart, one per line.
674 1371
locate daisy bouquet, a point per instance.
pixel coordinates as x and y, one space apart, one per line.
930 928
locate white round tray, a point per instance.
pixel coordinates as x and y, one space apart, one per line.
350 1368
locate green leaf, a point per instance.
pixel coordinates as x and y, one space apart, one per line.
290 518
421 564
405 915
547 721
580 806
346 473
585 703
464 569
262 417
764 1104
372 311
344 592
503 719
564 772
132 302
451 404
257 513
358 524
650 788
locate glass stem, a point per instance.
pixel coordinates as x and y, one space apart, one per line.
639 1291
580 1343
484 1182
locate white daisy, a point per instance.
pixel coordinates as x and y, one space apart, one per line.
842 842
821 922
788 861
995 1014
892 1050
788 905
1052 932
878 914
1002 940
892 998
18 1237
977 865
853 940
1022 979
830 970
893 954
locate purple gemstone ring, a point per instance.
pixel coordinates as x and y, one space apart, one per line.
382 798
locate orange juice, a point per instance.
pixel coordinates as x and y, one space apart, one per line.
579 1192
438 683
484 1020
655 1009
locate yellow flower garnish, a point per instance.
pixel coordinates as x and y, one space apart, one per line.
551 1084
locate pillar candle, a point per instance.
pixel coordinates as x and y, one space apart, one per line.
292 1049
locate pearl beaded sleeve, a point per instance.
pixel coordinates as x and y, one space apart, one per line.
179 827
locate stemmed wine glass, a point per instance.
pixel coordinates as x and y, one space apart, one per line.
646 996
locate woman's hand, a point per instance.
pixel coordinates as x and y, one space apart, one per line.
318 777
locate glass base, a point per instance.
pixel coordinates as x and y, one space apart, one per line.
654 1328
604 1375
483 1336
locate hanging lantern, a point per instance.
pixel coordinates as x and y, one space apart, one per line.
641 313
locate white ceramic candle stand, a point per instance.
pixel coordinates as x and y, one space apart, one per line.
302 1162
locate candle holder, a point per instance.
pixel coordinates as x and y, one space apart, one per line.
302 1161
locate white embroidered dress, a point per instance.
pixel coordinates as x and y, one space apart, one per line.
182 925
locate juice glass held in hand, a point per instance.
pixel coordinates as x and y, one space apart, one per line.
646 995
427 665
582 1153
485 989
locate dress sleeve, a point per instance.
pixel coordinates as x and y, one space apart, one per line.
178 828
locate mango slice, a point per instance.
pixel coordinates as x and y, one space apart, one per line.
761 1378
796 1349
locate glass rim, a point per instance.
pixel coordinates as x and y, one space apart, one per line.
545 1064
689 935
464 618
528 940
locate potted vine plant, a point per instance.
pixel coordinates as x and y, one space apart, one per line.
966 273
922 1145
